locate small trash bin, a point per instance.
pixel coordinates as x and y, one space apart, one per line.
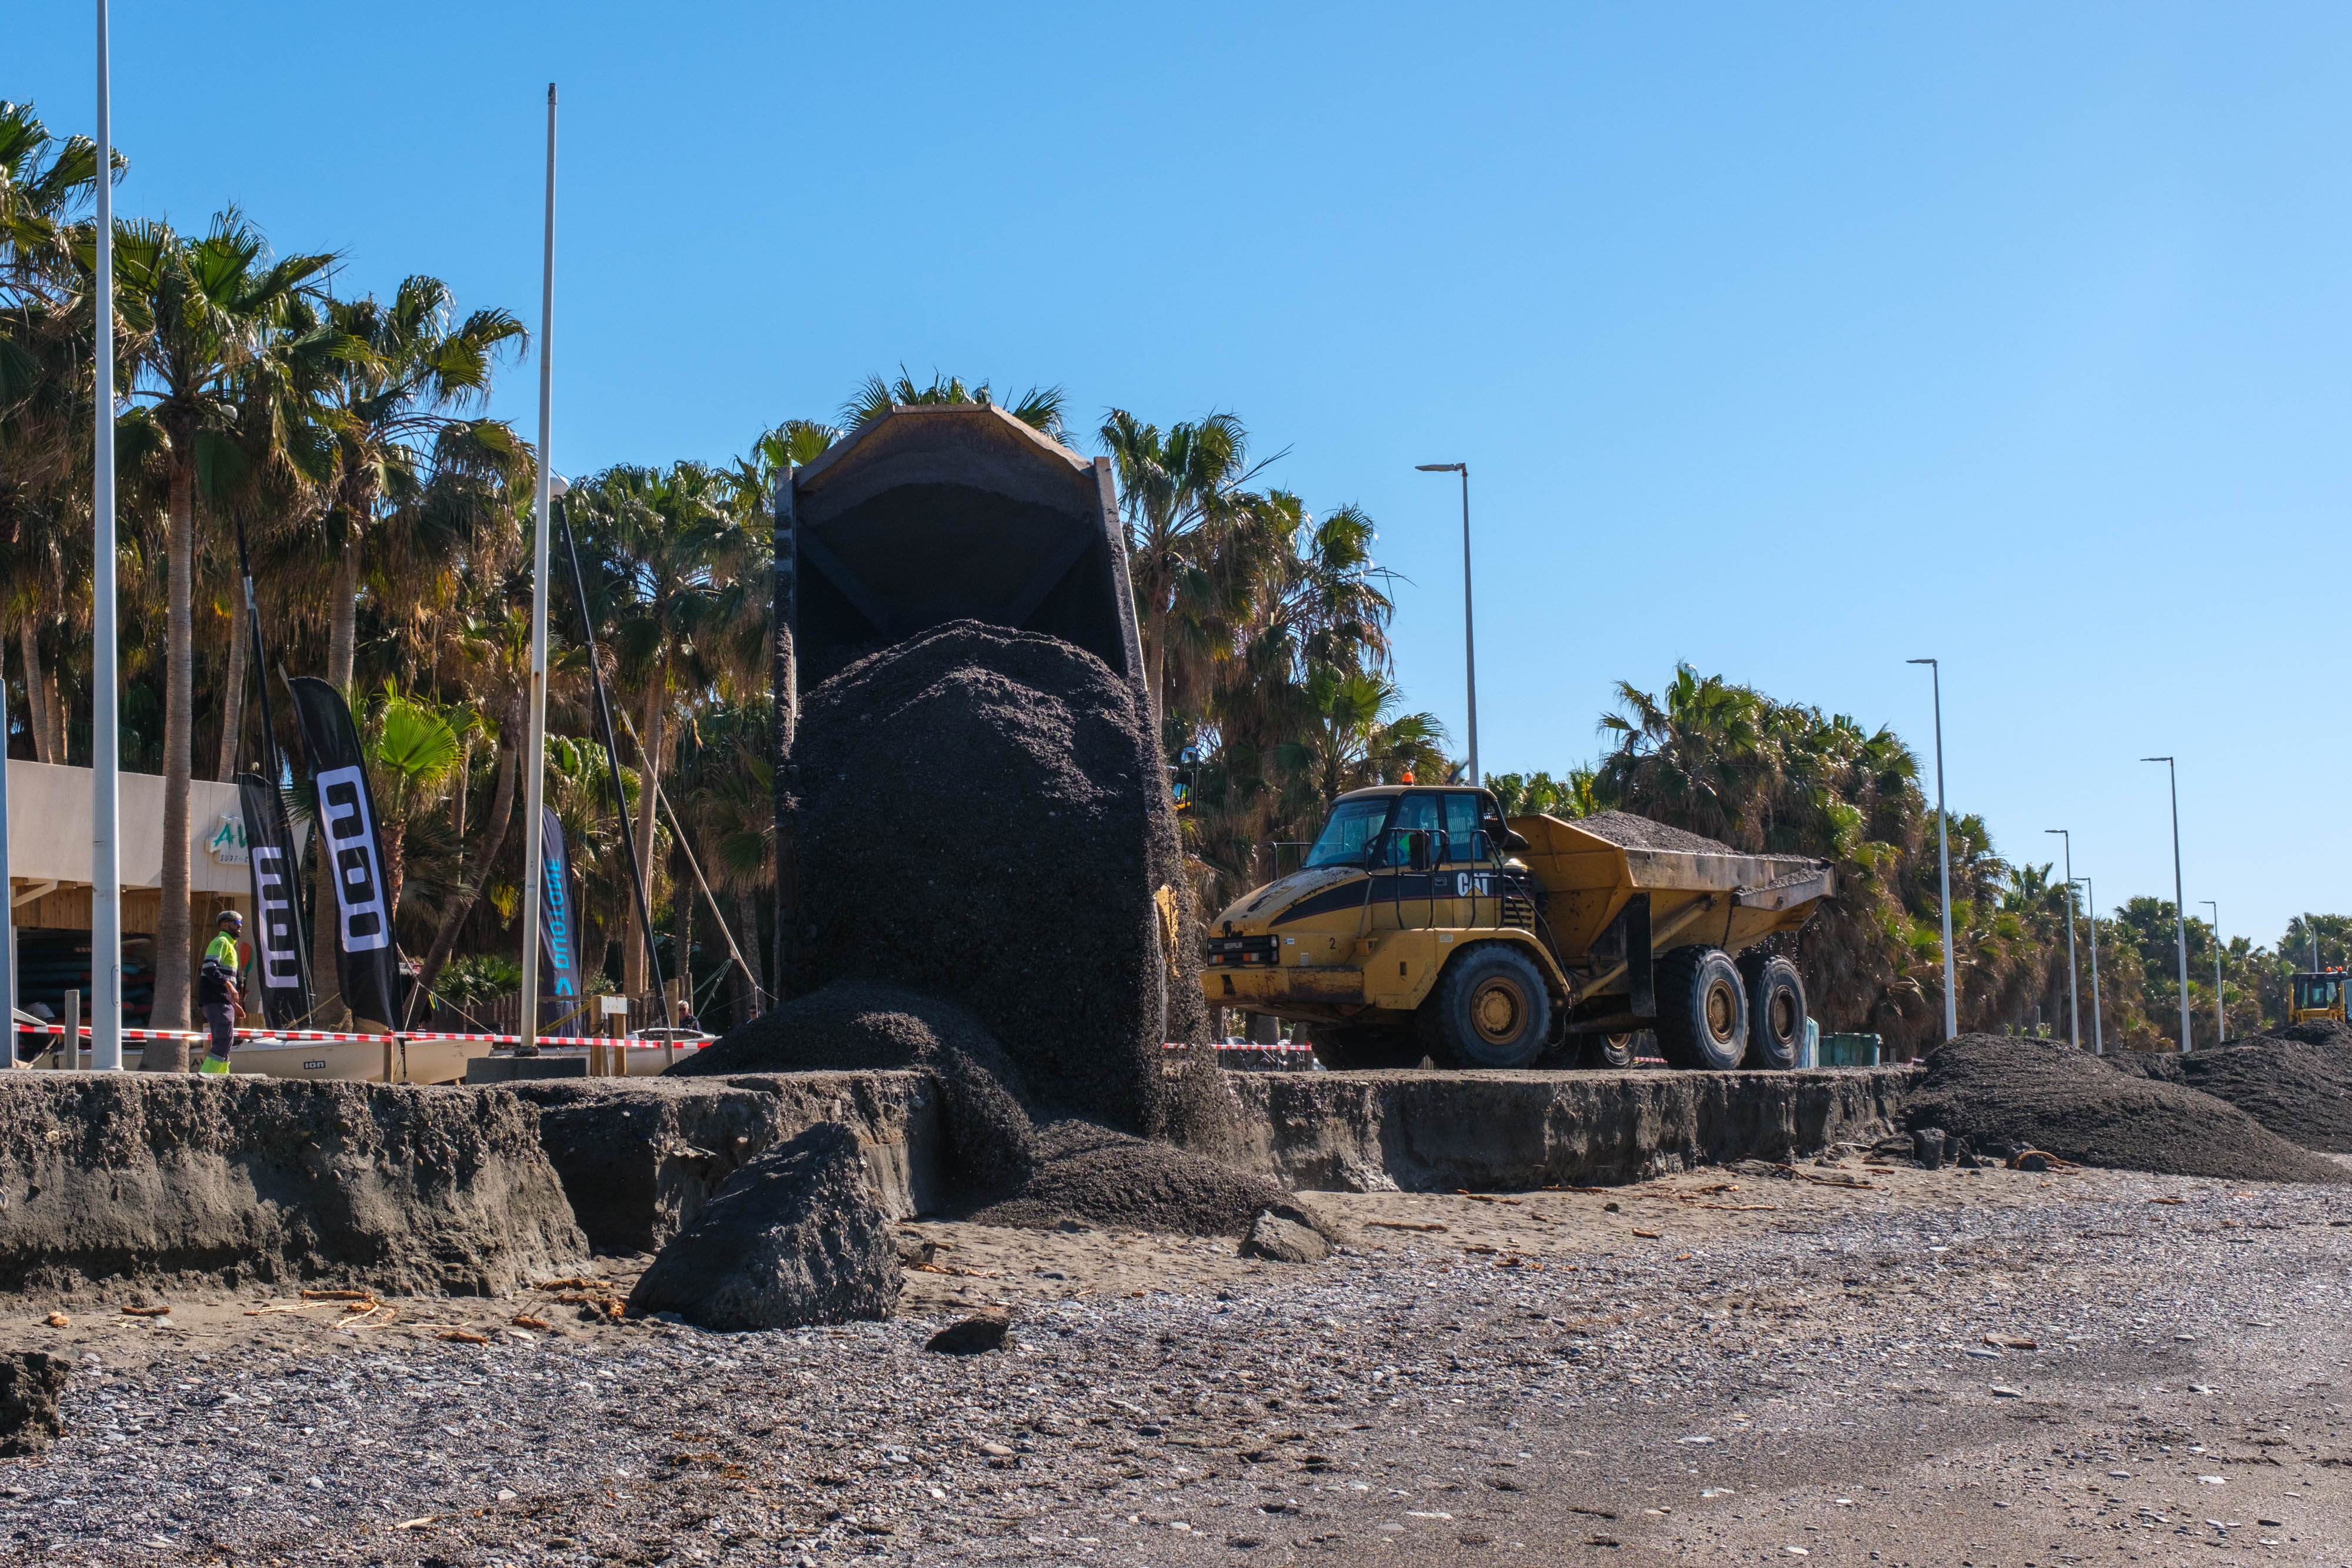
1849 1051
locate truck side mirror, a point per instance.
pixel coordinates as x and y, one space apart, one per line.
1417 849
1512 842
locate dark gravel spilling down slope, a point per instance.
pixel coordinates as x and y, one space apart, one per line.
850 1027
1995 1091
1100 1177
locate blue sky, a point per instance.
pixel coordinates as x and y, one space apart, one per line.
1790 341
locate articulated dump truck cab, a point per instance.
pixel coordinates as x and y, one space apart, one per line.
1424 924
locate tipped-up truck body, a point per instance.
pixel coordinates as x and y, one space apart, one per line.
1424 924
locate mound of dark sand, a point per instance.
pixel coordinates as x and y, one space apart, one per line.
795 1238
1098 1176
854 1027
1996 1091
2300 1090
1632 832
983 818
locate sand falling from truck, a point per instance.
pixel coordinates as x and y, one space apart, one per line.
982 834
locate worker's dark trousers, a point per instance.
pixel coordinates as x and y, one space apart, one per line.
221 1019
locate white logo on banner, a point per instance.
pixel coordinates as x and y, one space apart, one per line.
359 881
281 964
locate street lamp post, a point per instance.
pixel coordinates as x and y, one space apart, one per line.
1469 635
2179 911
2221 1016
2073 982
534 746
1944 852
2098 1035
105 695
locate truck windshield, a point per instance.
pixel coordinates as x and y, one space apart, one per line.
1352 827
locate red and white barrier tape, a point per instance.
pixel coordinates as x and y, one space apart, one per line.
319 1034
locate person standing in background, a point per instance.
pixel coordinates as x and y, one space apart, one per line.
220 987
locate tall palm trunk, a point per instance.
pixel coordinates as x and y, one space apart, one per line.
233 699
1155 661
494 835
172 955
37 696
634 978
344 611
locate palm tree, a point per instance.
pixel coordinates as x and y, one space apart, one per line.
496 648
202 312
1182 493
683 617
403 384
46 392
412 751
1039 407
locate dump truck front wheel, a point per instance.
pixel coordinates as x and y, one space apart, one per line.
1776 1009
1702 1010
1490 1009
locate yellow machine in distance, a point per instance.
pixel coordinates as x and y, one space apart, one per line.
1422 923
2313 995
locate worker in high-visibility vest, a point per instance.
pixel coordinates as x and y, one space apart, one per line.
220 987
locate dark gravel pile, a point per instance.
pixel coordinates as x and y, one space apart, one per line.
1634 833
1996 1091
1114 1180
853 1027
984 819
2298 1086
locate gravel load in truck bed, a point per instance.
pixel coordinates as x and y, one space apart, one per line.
1996 1091
1632 832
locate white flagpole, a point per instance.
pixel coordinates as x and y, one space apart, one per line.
105 863
534 748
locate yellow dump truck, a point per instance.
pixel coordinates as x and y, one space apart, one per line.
1424 924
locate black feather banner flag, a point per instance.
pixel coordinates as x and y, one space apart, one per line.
345 809
281 958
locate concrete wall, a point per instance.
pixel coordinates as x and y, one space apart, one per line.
1514 1132
49 829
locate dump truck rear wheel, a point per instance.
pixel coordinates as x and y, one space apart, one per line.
1490 1009
1344 1050
1776 1009
1702 1010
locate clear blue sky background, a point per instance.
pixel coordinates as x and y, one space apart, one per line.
1787 340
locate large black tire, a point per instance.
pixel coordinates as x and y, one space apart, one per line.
1606 1050
1344 1050
1490 1009
1775 1010
1702 1010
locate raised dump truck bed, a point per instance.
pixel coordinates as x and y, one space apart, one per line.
1424 924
